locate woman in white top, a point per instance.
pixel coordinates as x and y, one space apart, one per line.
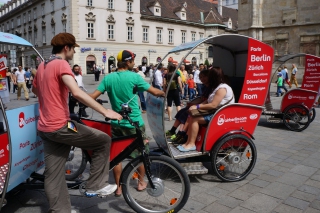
217 93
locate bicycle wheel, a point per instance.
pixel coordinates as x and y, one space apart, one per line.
233 158
296 118
312 114
171 182
76 163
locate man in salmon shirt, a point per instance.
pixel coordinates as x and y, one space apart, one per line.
52 84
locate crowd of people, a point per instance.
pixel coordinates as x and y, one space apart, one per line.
283 79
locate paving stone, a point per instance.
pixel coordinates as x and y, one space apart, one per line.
275 159
293 179
286 209
240 194
315 177
303 170
297 203
287 165
268 178
259 183
229 201
274 173
228 186
261 203
278 190
281 168
193 206
311 210
315 204
216 207
309 189
303 196
312 162
217 192
205 198
250 188
313 183
293 161
240 209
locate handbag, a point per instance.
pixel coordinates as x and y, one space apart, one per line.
202 112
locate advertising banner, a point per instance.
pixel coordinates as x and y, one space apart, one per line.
27 147
155 108
311 77
258 73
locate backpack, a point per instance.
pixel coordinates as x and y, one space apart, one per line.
173 84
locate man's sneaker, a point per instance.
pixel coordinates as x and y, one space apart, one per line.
109 189
173 137
168 134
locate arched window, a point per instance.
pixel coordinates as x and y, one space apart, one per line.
194 61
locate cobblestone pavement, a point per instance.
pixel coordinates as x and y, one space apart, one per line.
286 177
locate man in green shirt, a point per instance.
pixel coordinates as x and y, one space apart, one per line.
119 86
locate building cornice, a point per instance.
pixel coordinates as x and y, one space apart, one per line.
178 21
18 10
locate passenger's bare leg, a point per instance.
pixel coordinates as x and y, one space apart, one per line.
141 183
169 113
117 173
193 131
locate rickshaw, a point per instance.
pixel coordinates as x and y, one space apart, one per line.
297 105
227 140
22 157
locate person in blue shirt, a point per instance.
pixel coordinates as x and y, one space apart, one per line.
28 76
284 77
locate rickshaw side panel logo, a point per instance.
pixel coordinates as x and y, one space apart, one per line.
22 121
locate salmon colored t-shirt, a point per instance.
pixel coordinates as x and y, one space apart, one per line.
52 95
190 83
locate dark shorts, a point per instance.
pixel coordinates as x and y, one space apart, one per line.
173 95
118 131
182 115
207 118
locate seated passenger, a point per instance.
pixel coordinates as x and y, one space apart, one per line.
218 93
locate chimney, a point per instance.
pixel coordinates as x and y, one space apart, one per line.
220 7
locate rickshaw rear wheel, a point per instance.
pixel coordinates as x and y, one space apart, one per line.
76 163
296 118
312 114
233 158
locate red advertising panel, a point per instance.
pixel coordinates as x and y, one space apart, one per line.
2 66
311 75
4 149
258 73
230 118
299 96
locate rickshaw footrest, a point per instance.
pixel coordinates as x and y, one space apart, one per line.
274 120
194 168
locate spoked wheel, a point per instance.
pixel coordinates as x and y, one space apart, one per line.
296 118
172 186
233 158
76 163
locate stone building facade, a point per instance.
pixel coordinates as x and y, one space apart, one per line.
289 26
148 28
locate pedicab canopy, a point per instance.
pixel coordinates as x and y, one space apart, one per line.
21 150
246 63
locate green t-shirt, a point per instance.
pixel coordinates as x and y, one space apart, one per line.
119 86
280 81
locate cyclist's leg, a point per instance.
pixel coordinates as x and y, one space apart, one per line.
54 184
91 139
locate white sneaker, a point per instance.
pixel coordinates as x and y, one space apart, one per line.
107 190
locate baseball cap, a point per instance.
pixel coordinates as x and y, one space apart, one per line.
125 55
63 39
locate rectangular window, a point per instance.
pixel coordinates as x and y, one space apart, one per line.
24 18
193 36
110 4
64 26
52 6
19 21
44 39
29 16
90 30
183 37
42 9
63 3
7 25
145 34
129 6
130 33
110 31
201 35
35 13
159 35
30 37
89 3
35 37
170 36
12 23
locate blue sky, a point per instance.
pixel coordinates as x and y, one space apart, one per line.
3 1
